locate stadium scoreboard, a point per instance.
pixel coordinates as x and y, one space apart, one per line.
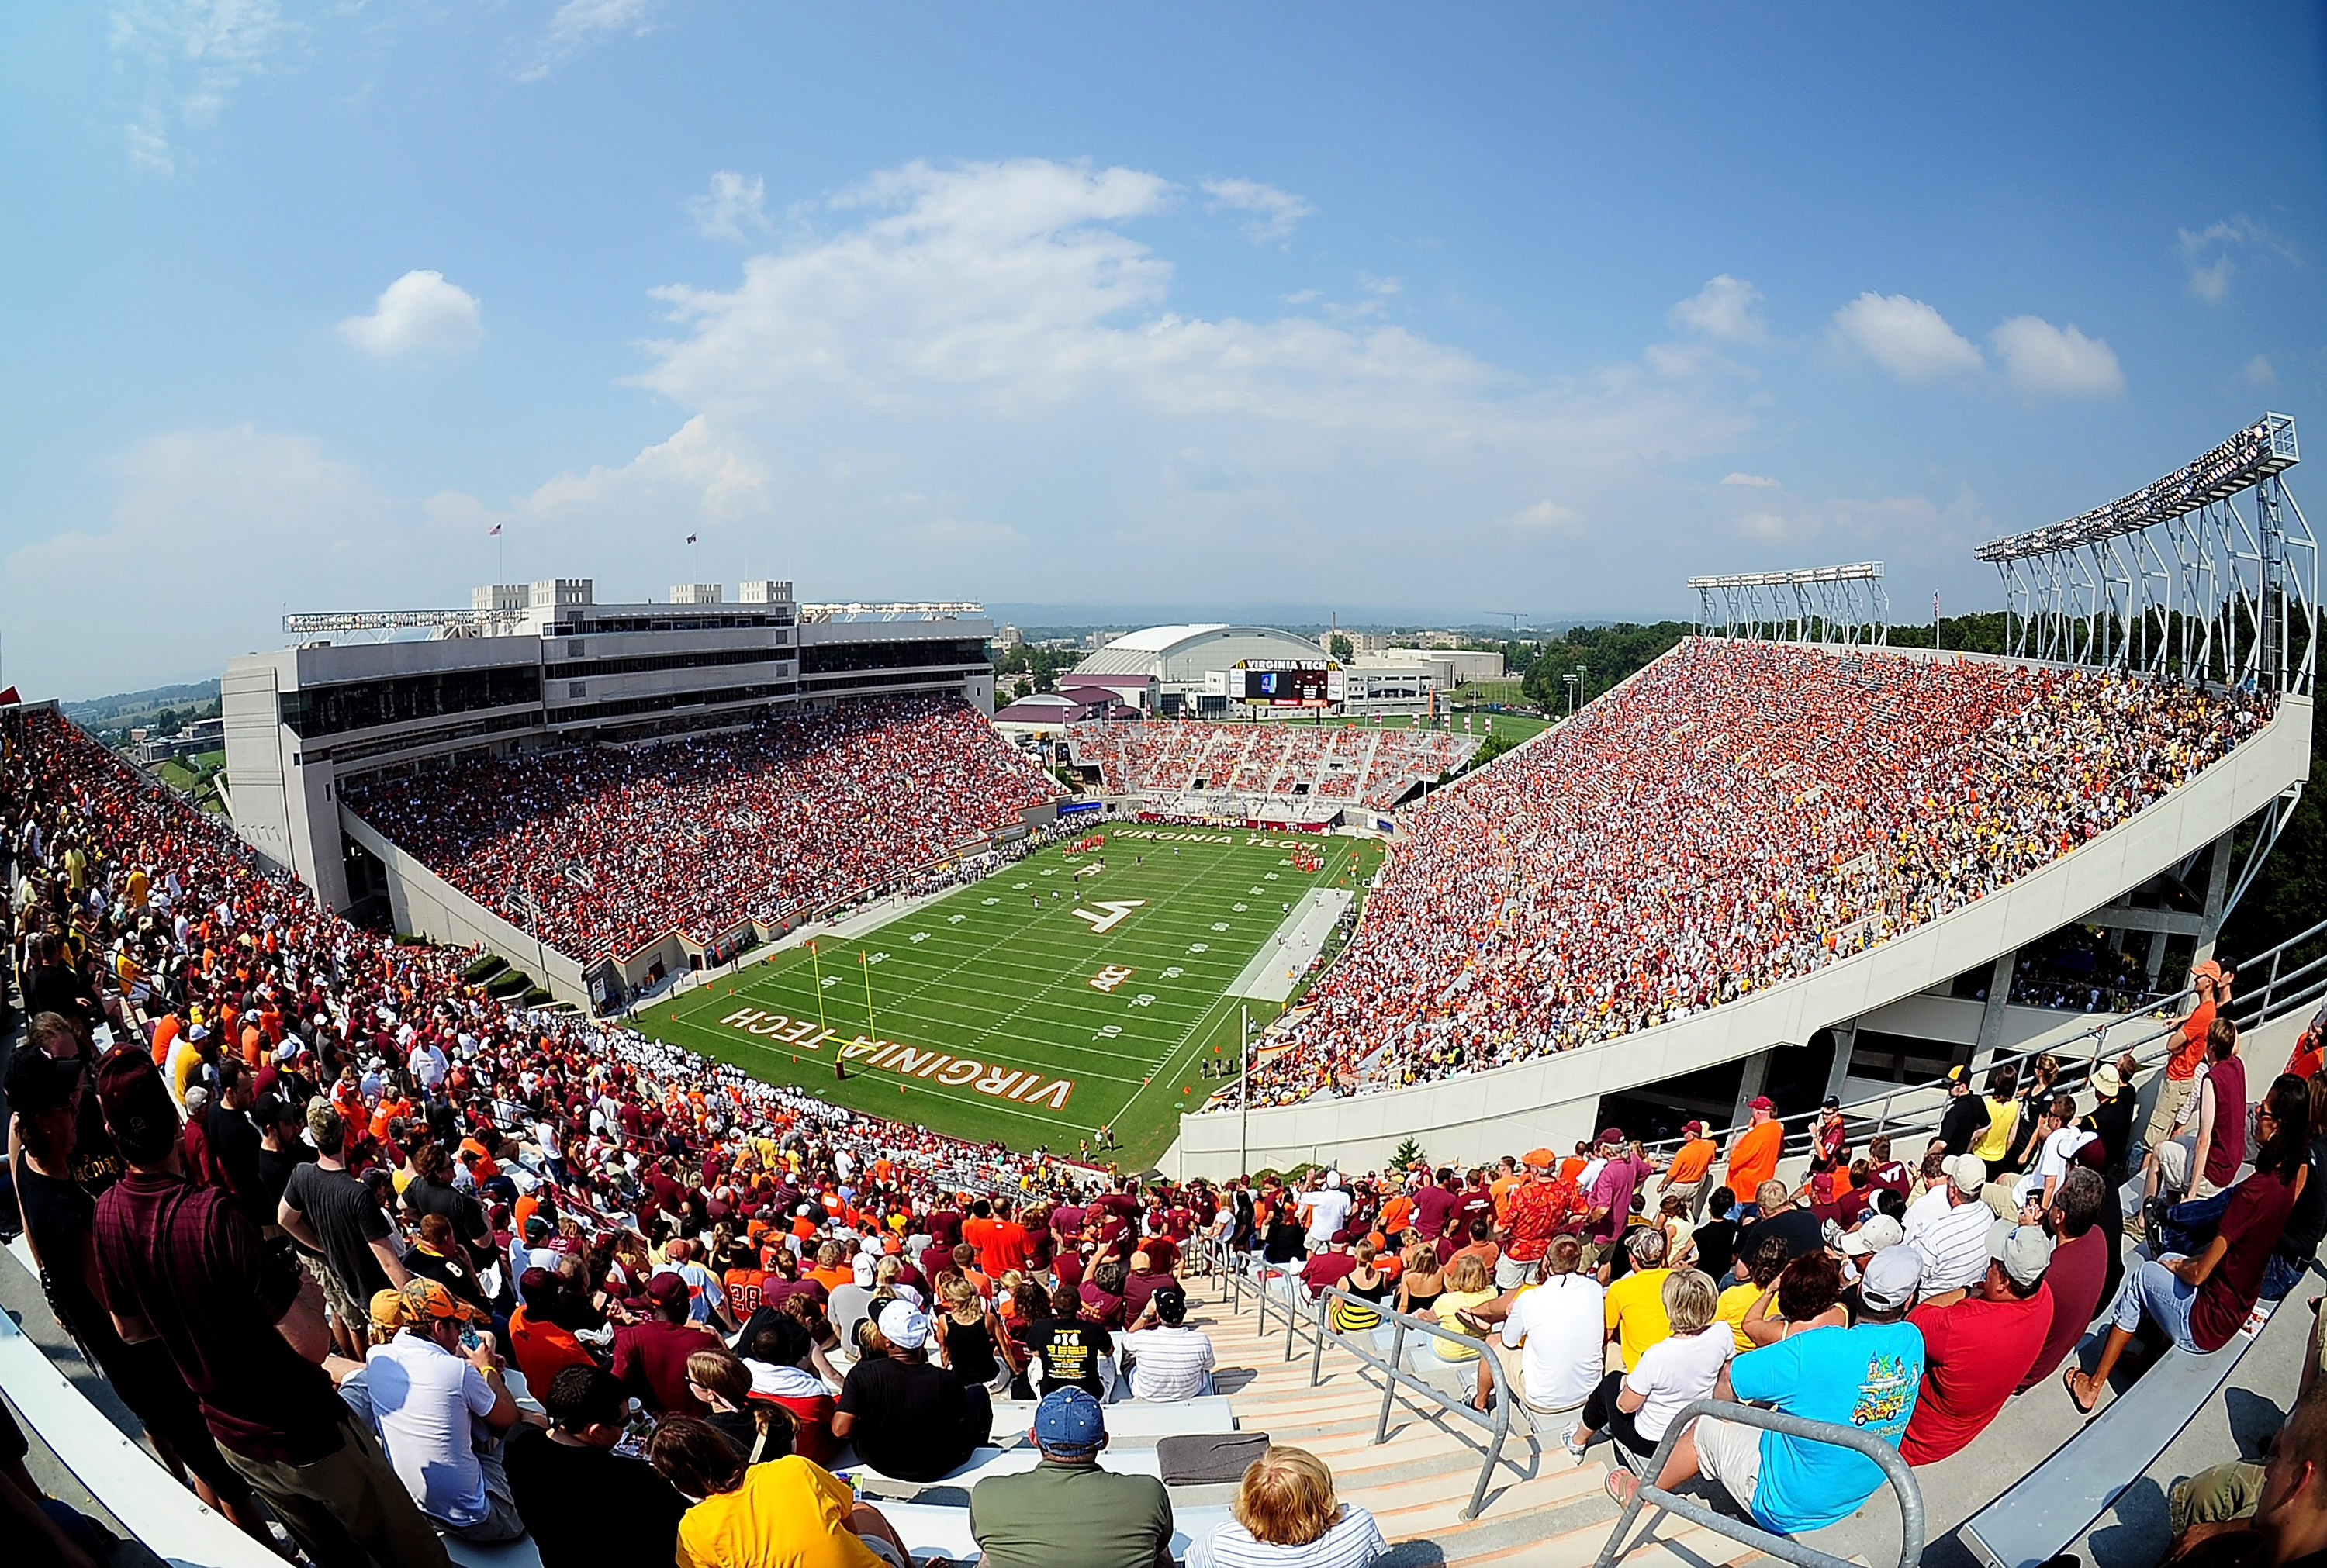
1285 683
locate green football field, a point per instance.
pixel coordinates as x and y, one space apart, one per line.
1038 1005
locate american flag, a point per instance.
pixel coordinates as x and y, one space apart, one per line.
494 532
690 538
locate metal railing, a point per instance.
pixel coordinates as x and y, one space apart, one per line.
2283 992
1495 1423
1886 1456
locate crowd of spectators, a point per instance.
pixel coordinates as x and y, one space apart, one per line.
1321 765
600 850
1737 815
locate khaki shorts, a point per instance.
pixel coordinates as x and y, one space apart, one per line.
2172 1095
1730 1452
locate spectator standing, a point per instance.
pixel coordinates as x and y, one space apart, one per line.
1285 1516
2114 1106
1325 1210
1753 1152
1864 1376
1967 1113
1068 1512
1690 1173
1978 1346
438 1398
631 1514
650 1355
1716 1238
2187 1051
1170 1362
327 1211
184 1265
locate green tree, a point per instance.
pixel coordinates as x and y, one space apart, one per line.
1342 648
1407 1152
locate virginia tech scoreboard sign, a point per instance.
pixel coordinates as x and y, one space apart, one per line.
1285 683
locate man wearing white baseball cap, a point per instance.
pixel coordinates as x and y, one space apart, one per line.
909 1419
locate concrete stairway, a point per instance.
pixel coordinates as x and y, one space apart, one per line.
1541 1507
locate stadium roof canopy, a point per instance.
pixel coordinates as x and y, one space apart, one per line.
1183 653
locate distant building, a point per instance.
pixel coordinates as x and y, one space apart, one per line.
1007 636
1456 666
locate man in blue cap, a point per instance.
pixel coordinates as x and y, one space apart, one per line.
1067 1512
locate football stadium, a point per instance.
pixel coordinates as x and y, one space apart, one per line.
1797 1105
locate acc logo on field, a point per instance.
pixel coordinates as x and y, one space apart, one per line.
1108 978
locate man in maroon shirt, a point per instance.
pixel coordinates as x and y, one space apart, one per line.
651 1356
184 1265
2080 1249
1329 1266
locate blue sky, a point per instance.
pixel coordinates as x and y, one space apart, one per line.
1436 310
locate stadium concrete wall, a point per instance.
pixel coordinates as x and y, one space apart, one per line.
426 905
1551 1101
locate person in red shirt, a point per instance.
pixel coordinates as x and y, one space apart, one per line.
1978 1345
1541 1206
651 1356
541 1349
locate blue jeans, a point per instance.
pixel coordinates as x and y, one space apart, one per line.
2156 1291
2188 1226
2282 1276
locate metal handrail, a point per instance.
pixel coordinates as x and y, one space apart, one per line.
2270 1005
1886 1456
1498 1425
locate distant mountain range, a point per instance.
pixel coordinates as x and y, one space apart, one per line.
128 708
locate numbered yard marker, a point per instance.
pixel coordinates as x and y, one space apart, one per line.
1238 909
1269 876
1219 925
1117 911
956 920
829 981
876 957
1145 999
1022 887
1200 947
1108 1032
1173 972
989 901
919 936
1256 892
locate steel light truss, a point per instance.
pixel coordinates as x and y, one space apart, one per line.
2210 574
1844 605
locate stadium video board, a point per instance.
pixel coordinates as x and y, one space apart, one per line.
1285 683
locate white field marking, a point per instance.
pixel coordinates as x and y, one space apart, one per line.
1109 977
1117 911
989 901
1238 909
919 936
1219 925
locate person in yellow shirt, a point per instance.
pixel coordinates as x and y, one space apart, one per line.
784 1513
1635 1305
2003 1118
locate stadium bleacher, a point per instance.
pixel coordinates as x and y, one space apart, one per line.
611 848
168 915
1737 814
1277 771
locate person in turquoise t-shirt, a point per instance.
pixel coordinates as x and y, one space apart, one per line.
1864 1376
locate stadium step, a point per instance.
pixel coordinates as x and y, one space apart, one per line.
1541 1507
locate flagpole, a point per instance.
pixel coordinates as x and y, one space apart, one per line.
817 970
1244 1088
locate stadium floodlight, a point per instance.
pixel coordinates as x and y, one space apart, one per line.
2210 574
1841 603
2265 448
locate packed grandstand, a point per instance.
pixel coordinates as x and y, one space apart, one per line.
1738 814
784 1286
602 850
1272 769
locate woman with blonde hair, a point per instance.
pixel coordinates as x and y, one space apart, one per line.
1468 1284
972 1343
1419 1282
1635 1407
1285 1516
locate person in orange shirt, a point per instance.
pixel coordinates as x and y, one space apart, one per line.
165 1035
1690 1174
2214 988
1754 1154
1397 1215
541 1349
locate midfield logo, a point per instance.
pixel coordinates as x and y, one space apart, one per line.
1117 911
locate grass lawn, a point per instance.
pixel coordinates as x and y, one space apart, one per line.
1038 1005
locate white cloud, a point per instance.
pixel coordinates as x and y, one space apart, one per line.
2259 372
418 313
1549 518
578 23
2058 361
1906 336
197 55
692 475
731 206
1753 480
1000 338
1272 214
2209 253
1724 308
